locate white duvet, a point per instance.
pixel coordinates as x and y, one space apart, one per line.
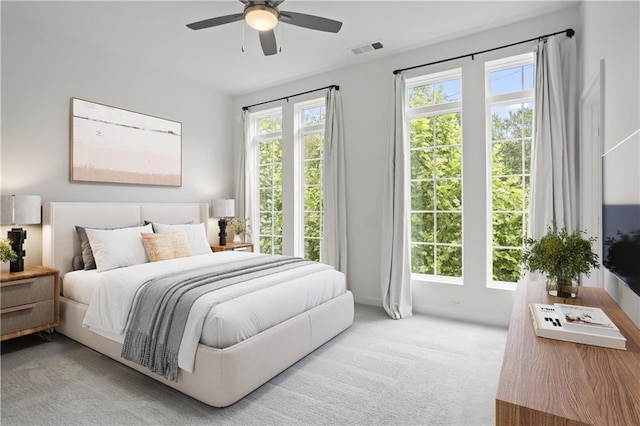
257 305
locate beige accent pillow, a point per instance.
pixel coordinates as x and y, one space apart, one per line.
196 234
166 246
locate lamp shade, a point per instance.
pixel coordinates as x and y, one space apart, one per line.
223 208
20 209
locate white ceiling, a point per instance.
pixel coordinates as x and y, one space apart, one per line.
154 33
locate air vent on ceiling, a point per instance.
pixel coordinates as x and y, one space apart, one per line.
369 47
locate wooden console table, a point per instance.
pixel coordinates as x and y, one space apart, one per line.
552 382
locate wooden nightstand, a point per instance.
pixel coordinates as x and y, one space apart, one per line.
233 247
29 301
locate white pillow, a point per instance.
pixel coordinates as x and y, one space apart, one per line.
115 248
196 234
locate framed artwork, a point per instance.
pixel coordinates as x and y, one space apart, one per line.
118 146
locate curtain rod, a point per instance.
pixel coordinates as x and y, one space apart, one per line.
291 96
570 32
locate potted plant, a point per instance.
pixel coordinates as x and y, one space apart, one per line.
239 227
561 256
6 252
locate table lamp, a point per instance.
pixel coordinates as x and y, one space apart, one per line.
19 210
223 209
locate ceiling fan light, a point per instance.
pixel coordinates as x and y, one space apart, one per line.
260 17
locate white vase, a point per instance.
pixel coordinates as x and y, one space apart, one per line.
237 239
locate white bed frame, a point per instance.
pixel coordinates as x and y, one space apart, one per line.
221 376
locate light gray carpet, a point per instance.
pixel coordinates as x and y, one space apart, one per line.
421 370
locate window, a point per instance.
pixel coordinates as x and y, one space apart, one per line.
509 102
435 141
289 145
268 141
310 138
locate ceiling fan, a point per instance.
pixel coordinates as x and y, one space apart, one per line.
264 16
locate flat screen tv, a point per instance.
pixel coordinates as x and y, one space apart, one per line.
621 211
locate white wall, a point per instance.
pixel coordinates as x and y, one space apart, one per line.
611 31
366 95
42 71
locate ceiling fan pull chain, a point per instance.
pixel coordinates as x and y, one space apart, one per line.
243 38
280 38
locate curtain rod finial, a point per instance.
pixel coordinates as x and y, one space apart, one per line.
570 32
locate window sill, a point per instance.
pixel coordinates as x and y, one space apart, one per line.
435 279
502 285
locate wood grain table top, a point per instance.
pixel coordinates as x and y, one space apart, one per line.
545 381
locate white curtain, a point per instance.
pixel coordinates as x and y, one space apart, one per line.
245 179
334 233
396 262
553 162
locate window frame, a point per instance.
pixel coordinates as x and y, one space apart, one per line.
300 131
291 135
492 101
259 138
432 111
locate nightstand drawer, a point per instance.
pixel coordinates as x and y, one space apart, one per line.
30 315
21 292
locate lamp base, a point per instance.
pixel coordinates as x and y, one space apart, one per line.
17 237
222 223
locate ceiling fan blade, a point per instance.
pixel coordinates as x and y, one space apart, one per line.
268 42
277 3
214 22
310 21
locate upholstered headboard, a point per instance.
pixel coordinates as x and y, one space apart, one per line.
60 242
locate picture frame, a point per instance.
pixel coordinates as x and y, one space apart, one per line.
114 145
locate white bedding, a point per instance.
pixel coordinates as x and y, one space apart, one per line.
79 285
260 303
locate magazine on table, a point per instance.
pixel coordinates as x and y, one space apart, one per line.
547 322
586 319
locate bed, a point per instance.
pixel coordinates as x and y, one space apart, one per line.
220 375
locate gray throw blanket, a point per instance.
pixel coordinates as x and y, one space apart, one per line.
161 307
